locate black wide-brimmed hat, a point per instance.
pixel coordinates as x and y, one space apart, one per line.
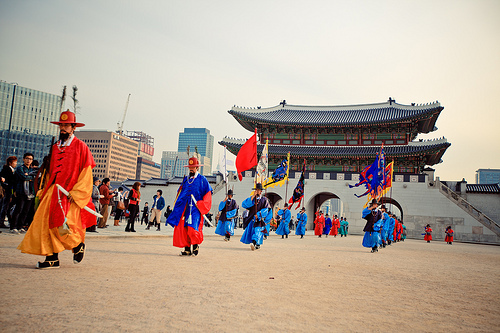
374 201
258 186
230 192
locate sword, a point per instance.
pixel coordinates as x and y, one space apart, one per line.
206 218
66 193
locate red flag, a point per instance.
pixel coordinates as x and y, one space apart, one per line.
247 156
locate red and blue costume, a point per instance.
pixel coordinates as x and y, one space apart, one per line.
186 217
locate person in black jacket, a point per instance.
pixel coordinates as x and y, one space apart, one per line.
24 194
8 181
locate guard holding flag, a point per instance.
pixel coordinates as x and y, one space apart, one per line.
194 199
259 214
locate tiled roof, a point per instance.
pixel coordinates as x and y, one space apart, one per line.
433 147
332 116
483 188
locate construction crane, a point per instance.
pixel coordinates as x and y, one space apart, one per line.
120 125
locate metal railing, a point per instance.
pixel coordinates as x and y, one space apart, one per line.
473 211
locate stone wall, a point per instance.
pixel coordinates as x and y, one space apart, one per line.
420 202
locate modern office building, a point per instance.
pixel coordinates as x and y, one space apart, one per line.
173 164
147 169
201 139
488 176
25 116
146 143
115 155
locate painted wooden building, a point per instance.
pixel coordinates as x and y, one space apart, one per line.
344 138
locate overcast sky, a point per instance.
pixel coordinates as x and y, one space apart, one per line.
186 63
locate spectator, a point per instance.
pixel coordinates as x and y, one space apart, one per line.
35 166
24 194
158 205
104 200
120 206
95 200
145 214
8 180
134 197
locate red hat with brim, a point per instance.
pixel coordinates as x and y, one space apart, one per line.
67 117
193 162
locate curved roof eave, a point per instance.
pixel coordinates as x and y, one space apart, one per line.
438 147
364 115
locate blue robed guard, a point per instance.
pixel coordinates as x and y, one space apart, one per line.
372 227
259 214
301 223
285 216
228 209
328 225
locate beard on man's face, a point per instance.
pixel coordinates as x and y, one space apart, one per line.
191 173
63 136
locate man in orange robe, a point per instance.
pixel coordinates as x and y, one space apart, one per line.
60 221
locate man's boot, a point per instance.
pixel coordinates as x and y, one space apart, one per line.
78 253
196 248
186 252
51 261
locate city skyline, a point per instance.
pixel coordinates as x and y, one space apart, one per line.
187 64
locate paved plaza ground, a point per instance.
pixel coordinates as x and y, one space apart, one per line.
137 282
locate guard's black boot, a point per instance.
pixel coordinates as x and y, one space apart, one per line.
186 252
196 248
78 253
50 262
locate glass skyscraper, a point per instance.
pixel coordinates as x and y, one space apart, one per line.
488 176
25 116
200 138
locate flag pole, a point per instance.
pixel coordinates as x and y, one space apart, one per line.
225 168
392 182
287 177
256 156
304 191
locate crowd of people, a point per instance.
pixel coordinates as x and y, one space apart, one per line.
324 225
382 227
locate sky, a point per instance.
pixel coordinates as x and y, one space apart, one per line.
186 63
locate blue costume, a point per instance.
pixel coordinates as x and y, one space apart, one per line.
372 228
228 212
254 228
184 205
301 224
384 233
283 228
194 198
390 230
344 226
328 226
